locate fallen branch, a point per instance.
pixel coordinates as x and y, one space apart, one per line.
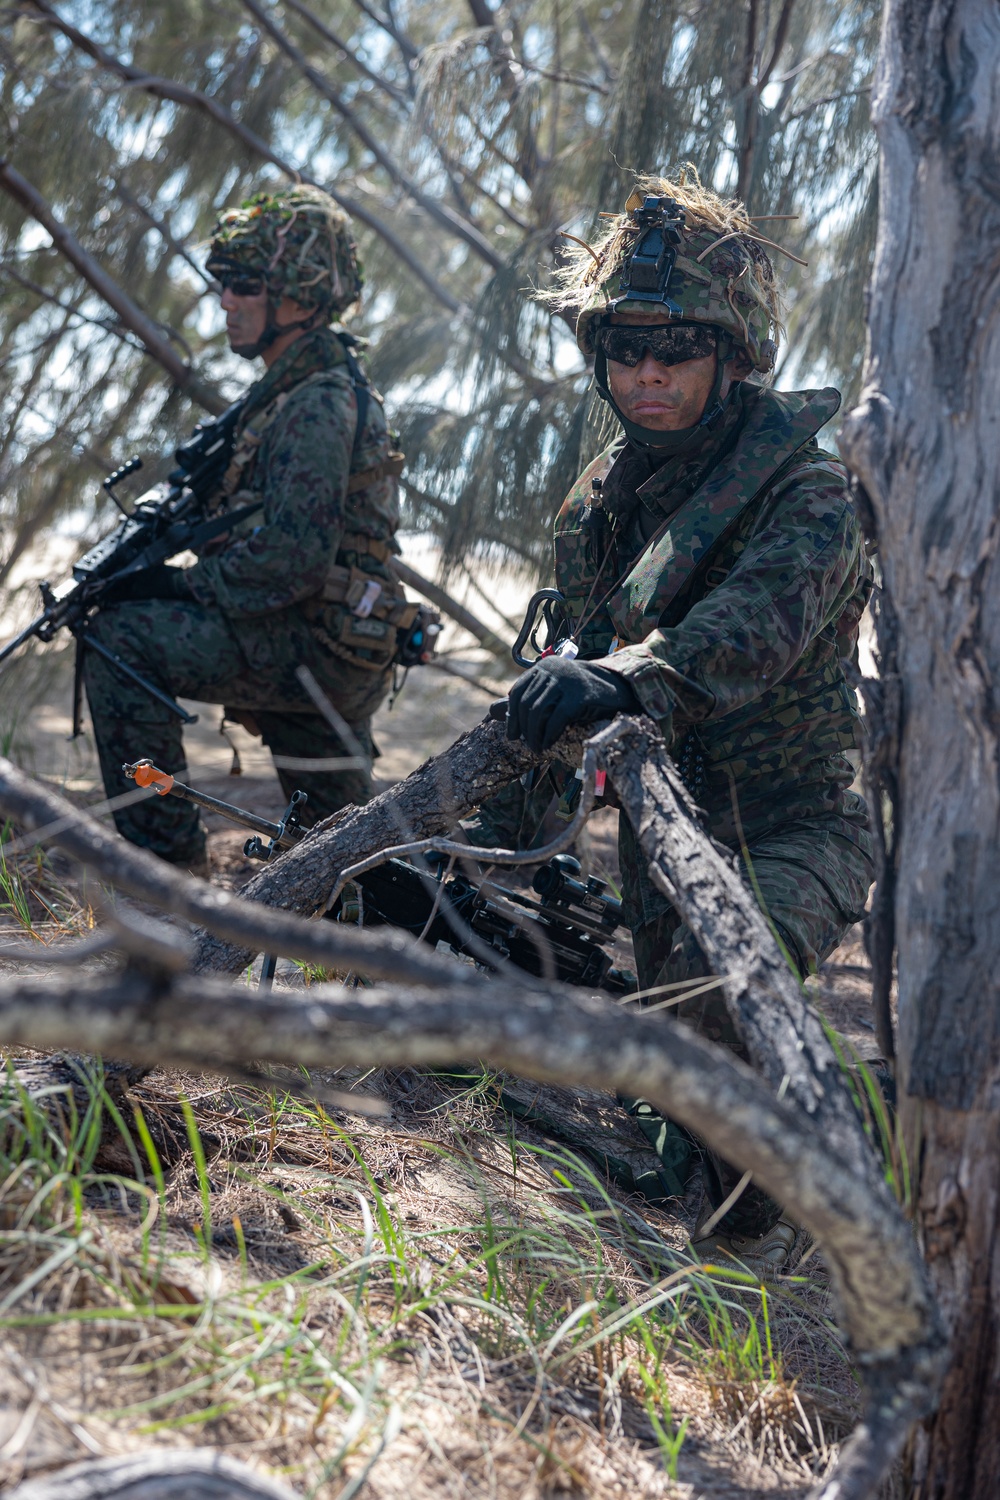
430 801
161 1475
383 952
782 1032
793 1129
556 1036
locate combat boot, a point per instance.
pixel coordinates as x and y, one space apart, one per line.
764 1255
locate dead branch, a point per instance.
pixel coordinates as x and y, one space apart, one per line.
131 315
179 93
194 1474
554 1035
782 1032
793 1129
385 953
439 844
430 801
452 222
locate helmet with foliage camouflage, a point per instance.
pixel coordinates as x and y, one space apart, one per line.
679 254
297 242
682 251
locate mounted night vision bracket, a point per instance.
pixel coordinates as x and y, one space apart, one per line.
645 276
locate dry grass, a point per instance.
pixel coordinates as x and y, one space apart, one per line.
431 1301
461 1308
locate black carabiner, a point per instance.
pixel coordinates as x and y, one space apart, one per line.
550 604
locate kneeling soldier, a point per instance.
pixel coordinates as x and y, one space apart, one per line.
303 582
715 578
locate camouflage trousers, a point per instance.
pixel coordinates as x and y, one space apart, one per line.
812 884
191 651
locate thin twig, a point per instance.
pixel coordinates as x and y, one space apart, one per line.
133 317
178 93
442 215
437 844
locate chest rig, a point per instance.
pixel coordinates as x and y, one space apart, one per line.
361 614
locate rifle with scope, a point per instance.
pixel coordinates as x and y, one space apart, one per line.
168 519
562 935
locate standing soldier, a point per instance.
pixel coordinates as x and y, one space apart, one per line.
714 577
302 582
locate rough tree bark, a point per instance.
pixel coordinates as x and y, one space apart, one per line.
924 445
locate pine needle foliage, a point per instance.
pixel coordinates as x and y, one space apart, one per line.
465 138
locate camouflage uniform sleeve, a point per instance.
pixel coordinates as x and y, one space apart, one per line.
302 478
802 564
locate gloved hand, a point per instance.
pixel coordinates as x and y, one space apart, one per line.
557 692
161 582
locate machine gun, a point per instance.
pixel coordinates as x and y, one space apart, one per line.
563 933
168 519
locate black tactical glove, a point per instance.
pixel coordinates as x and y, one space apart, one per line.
161 582
557 692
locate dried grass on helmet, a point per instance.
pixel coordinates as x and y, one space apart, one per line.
708 217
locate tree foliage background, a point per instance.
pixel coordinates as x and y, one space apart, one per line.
464 139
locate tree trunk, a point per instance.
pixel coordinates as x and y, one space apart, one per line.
923 443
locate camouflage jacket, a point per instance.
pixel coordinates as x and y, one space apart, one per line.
733 603
300 470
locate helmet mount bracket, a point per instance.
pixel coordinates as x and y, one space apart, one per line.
645 275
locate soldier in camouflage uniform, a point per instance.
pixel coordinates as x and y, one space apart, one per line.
715 577
303 582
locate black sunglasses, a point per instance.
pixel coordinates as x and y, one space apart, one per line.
668 343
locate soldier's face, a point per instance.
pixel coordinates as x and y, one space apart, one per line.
246 317
665 398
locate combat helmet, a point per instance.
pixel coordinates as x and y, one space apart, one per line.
681 251
295 242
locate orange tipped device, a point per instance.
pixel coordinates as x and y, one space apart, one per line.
282 835
144 773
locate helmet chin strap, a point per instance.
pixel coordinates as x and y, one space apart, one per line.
273 329
669 443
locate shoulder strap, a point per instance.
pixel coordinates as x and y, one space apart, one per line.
250 438
767 449
392 465
362 393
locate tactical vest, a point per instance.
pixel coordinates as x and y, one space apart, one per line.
613 600
362 609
